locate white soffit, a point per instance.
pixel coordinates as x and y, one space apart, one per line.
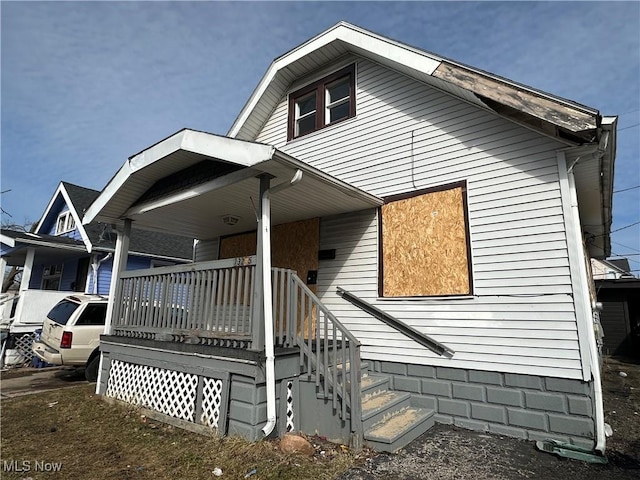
194 210
185 148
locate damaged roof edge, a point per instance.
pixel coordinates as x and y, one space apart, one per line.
559 111
609 124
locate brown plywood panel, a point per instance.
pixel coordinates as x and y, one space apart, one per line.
294 246
424 245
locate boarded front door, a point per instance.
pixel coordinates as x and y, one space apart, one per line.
294 246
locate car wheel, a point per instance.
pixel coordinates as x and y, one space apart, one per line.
91 372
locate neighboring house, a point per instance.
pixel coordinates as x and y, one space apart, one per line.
434 214
62 256
619 293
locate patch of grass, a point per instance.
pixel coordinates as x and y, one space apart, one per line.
96 440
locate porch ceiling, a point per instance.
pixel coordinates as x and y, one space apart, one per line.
196 209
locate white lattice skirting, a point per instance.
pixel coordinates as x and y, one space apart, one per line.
290 425
169 392
22 346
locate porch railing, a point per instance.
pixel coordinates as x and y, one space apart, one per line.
329 353
211 303
208 301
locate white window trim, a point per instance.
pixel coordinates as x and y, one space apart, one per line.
69 223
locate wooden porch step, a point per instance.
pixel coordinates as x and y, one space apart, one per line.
381 404
373 382
399 429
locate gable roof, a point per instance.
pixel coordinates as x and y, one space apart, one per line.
552 115
163 187
564 120
81 197
97 236
63 192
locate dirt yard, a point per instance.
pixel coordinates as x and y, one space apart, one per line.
447 452
90 439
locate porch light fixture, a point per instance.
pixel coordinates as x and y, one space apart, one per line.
230 220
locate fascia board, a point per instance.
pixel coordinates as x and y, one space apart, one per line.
63 192
76 218
116 182
44 243
47 210
6 240
360 39
225 149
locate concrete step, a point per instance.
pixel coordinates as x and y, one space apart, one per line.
399 429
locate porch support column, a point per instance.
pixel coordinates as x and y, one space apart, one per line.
257 327
28 267
24 282
119 265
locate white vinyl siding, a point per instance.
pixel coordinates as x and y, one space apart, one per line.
517 321
408 136
206 250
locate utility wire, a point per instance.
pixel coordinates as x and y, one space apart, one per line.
627 128
626 226
616 230
625 189
626 246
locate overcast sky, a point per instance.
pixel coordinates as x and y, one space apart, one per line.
85 85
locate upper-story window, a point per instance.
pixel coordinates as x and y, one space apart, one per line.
325 102
65 223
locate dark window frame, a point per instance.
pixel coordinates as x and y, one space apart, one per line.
465 210
320 87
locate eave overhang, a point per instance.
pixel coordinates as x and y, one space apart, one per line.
593 170
568 121
196 207
47 249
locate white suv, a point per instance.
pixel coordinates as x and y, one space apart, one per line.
71 333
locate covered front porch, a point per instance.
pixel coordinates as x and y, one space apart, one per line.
222 343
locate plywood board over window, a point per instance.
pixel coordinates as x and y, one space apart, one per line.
425 243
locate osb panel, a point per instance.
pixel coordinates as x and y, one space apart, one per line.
238 246
424 245
294 245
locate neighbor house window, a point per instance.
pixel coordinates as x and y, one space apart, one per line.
51 277
424 243
322 103
65 224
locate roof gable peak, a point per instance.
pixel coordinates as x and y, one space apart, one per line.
64 196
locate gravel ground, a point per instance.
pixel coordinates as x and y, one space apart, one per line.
447 452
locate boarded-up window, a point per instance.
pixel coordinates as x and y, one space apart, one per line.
425 244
